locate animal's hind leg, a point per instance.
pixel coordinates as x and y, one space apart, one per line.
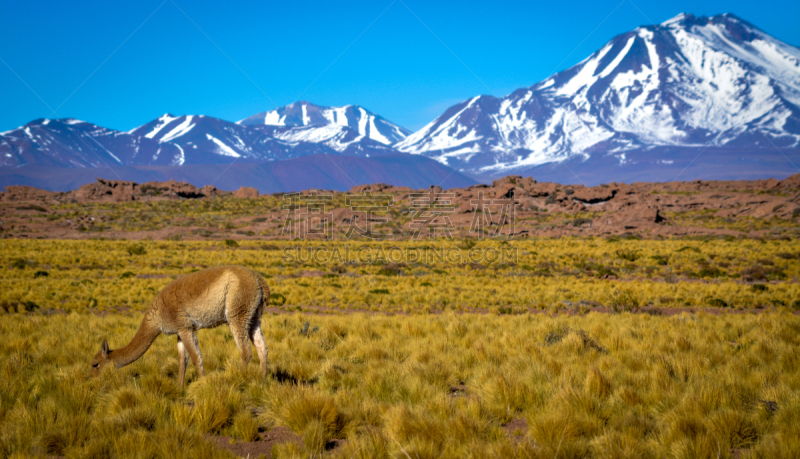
189 340
257 337
238 311
183 360
239 329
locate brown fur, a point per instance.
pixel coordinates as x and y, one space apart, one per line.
205 299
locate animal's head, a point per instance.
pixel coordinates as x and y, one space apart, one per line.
101 360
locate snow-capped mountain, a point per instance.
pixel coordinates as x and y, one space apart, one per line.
358 119
643 107
175 140
73 143
207 140
688 83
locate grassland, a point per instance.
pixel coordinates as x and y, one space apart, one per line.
545 274
692 385
404 358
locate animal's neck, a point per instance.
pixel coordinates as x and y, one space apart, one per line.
140 343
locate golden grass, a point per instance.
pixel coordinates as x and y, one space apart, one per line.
550 274
597 385
454 353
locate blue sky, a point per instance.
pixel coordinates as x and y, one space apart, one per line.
407 60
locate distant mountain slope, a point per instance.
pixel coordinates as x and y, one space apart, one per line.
688 83
358 119
208 140
199 139
332 172
74 143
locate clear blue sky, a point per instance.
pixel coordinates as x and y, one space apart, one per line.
396 67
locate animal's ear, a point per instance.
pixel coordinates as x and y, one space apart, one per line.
104 347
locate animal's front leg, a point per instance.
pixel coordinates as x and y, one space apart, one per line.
189 340
183 361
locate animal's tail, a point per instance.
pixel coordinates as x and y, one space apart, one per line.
264 292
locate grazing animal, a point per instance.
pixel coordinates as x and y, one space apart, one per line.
204 299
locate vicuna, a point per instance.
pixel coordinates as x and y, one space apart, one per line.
205 299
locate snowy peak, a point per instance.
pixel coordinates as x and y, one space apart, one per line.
360 120
175 140
740 28
688 82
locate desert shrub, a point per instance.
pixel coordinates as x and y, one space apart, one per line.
467 244
578 222
627 254
716 302
20 263
389 271
32 207
623 300
277 299
710 271
136 249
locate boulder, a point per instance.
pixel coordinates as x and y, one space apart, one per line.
107 191
210 191
172 188
246 192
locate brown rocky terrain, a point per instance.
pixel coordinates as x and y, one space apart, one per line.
724 208
118 191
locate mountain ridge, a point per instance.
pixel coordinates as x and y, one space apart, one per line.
358 119
686 82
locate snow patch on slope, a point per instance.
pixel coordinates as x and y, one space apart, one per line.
223 148
181 129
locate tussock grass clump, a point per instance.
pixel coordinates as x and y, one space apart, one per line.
597 384
245 426
308 412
